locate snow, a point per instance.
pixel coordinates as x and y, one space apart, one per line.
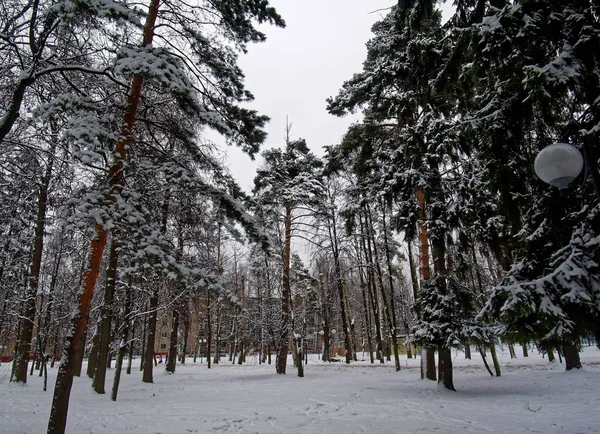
531 396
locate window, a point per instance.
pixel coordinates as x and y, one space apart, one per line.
165 322
163 346
163 335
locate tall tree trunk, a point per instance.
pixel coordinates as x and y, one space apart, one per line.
208 327
147 376
218 325
93 356
445 372
425 270
217 357
186 331
149 354
495 360
482 352
80 354
372 288
366 310
144 340
49 307
131 347
571 353
340 286
14 106
28 312
64 380
172 359
105 324
467 350
282 352
393 323
122 344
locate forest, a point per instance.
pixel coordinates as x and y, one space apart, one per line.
123 234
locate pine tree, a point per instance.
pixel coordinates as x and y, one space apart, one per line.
286 183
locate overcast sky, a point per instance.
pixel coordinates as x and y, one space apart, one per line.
298 67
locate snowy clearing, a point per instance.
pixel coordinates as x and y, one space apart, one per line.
532 396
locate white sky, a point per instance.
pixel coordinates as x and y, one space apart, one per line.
298 67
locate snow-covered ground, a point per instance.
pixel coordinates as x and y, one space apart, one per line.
532 396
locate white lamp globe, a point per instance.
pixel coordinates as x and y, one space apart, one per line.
558 164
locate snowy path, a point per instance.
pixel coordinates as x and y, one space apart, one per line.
532 396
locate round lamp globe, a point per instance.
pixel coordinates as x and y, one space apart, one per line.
558 164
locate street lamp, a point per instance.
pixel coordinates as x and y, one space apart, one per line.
559 164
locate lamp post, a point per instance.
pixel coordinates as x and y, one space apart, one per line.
559 164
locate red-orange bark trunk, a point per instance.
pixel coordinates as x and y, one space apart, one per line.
60 403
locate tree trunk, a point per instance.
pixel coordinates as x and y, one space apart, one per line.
208 328
105 325
14 106
495 360
446 368
64 380
122 345
218 335
172 359
186 330
29 304
144 341
300 356
372 288
366 312
511 350
147 376
80 354
393 322
482 352
571 353
282 353
131 347
424 268
525 351
467 350
340 286
93 356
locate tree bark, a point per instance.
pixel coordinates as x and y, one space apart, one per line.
446 368
495 360
14 107
186 330
424 269
282 353
122 345
105 325
511 350
393 320
147 376
172 360
64 380
482 352
340 286
571 353
28 318
372 289
93 356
